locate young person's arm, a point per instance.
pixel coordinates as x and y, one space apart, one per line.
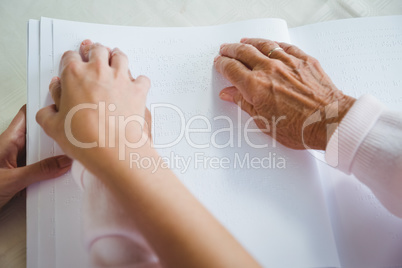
180 230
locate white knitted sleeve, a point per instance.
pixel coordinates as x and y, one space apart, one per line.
368 144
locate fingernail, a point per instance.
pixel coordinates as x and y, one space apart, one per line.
226 97
86 42
64 161
216 58
243 40
113 51
54 79
224 44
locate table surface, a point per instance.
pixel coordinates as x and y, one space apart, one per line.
15 14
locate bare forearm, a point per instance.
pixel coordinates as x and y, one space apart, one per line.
176 225
181 231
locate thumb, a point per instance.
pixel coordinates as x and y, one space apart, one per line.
48 168
232 94
46 118
17 125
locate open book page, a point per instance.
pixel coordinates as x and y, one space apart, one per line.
361 56
41 227
32 138
276 211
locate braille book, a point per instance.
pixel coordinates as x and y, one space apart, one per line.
286 207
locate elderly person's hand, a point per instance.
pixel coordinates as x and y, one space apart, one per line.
283 87
14 175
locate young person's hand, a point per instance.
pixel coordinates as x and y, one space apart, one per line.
283 86
14 175
95 85
177 227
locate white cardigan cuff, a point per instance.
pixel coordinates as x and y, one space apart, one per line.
354 127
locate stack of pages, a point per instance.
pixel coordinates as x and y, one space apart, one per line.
286 207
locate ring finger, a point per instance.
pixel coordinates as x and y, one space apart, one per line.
269 48
246 54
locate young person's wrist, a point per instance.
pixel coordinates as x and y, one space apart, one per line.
103 160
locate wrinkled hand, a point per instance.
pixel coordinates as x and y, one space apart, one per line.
14 175
95 77
289 85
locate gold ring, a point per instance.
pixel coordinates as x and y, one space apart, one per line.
277 48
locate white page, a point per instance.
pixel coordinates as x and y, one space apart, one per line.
66 217
361 56
32 138
46 233
40 196
279 215
41 219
